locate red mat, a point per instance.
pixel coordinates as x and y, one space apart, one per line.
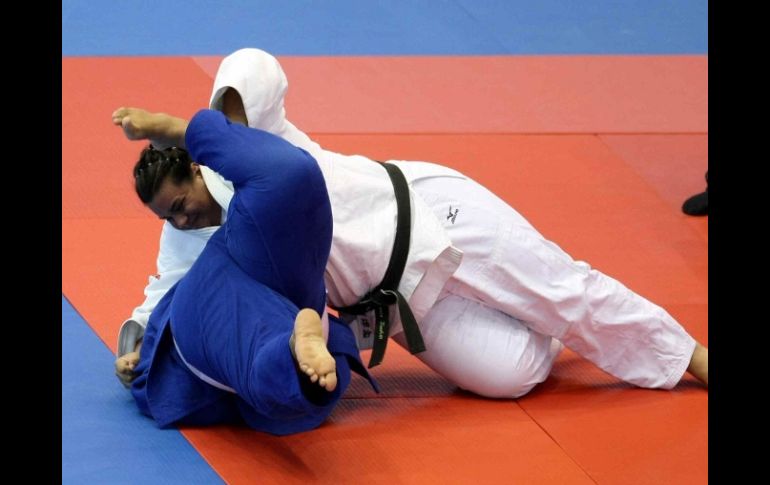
492 94
612 201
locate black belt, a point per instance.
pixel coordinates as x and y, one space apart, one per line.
386 293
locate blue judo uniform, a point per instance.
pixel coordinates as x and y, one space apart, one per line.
232 314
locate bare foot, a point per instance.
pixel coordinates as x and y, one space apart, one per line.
309 348
699 363
162 130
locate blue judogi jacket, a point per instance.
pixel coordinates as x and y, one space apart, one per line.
233 312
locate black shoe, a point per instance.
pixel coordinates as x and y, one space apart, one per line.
698 204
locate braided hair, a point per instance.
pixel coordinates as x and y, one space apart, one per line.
155 166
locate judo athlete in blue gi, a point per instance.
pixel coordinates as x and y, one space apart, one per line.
239 338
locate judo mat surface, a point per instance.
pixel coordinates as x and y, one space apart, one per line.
593 124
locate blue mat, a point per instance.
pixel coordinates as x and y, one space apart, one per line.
104 437
398 27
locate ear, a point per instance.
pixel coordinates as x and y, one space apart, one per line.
195 168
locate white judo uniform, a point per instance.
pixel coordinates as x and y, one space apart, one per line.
494 299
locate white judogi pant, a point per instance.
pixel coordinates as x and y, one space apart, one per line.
497 326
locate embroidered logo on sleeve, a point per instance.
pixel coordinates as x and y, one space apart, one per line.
452 215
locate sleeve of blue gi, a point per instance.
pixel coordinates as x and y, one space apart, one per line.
239 153
279 221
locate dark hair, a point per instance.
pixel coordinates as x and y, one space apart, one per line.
155 166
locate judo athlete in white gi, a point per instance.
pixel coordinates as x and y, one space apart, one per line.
222 345
494 299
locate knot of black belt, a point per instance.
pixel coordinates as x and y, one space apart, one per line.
386 293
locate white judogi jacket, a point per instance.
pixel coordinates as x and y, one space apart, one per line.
363 205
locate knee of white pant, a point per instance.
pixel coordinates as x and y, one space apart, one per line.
511 385
487 376
483 350
506 377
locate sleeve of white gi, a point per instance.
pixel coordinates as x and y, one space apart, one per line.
178 251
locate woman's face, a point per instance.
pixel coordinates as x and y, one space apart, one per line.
188 205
